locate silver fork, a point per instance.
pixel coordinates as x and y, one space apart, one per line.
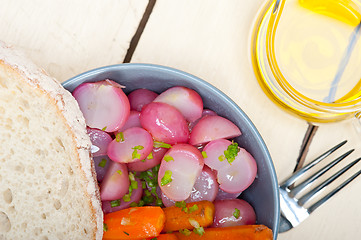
293 211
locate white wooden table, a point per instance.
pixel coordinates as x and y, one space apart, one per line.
207 38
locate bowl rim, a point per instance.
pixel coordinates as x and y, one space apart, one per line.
250 125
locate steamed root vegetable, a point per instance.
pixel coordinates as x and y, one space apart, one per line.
165 236
132 121
165 123
100 141
204 189
131 145
233 212
186 216
133 195
236 168
141 97
103 104
205 112
115 183
186 100
179 170
249 232
133 223
222 195
211 128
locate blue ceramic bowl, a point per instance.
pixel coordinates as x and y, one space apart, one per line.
263 193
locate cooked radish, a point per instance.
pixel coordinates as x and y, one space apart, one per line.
214 150
132 121
150 161
205 112
101 164
103 104
179 170
205 189
222 195
100 141
236 168
125 201
186 100
233 212
165 123
238 175
115 183
140 97
131 145
211 128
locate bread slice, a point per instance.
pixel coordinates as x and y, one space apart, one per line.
48 188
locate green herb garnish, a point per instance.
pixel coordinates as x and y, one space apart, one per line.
150 156
126 233
135 153
204 154
105 227
102 163
126 198
231 152
168 158
115 203
193 208
167 178
158 144
104 128
236 213
185 232
120 172
199 231
119 137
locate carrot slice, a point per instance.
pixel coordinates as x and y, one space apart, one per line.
245 232
134 223
165 236
178 218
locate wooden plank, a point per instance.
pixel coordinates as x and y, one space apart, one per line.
211 39
68 37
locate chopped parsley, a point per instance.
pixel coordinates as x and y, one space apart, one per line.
120 172
115 203
204 154
105 227
168 158
199 231
135 153
158 144
150 156
236 213
119 137
231 152
126 198
193 208
167 178
104 128
185 232
102 163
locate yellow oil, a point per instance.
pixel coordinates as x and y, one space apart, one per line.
305 42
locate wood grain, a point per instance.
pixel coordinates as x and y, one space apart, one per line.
68 37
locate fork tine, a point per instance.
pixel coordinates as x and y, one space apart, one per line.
311 179
301 171
328 196
314 191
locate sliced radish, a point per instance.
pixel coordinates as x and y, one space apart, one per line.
115 183
100 141
205 112
214 150
233 176
101 164
186 100
119 204
233 212
165 123
204 189
211 128
151 161
222 195
103 104
131 145
179 170
140 97
132 121
239 175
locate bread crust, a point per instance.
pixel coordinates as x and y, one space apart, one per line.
69 112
